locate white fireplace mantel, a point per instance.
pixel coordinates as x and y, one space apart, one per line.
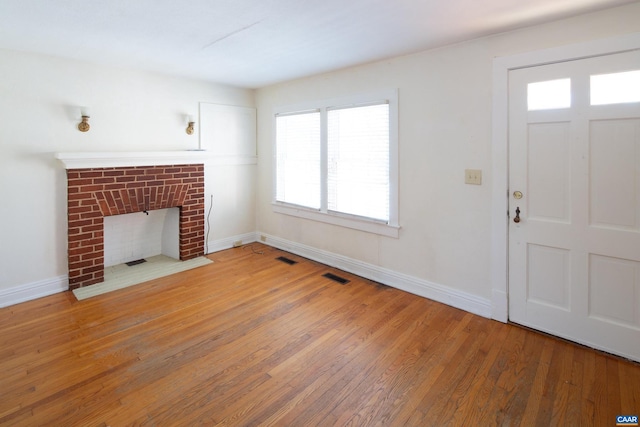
82 160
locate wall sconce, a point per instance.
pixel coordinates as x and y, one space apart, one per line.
190 125
84 126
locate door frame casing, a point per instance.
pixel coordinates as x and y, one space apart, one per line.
500 147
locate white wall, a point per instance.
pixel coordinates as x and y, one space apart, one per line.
130 110
445 105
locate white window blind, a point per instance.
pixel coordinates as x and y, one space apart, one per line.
358 161
298 159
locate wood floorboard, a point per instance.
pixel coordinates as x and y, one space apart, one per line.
252 341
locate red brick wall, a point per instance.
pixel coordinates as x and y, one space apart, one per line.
96 193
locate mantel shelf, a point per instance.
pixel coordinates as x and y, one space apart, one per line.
83 160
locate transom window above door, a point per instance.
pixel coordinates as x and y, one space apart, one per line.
549 95
604 89
615 88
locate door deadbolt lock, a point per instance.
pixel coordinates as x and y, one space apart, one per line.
517 195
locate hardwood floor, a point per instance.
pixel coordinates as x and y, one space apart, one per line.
249 340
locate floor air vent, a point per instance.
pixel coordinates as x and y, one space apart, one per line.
136 262
286 260
335 278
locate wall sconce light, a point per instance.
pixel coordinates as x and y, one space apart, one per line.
190 125
84 126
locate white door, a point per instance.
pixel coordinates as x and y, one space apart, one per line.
574 177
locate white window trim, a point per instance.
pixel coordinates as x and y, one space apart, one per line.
390 229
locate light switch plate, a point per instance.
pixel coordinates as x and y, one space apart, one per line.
473 176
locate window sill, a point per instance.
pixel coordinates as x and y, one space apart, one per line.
340 220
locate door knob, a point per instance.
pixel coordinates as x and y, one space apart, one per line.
517 218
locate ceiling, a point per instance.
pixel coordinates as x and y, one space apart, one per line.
254 43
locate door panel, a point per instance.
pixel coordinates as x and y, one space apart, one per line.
549 276
614 154
614 282
574 255
549 165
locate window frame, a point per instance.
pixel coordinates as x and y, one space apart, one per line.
390 228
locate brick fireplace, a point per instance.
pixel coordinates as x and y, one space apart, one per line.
93 193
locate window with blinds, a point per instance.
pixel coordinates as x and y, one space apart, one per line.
358 161
336 162
298 159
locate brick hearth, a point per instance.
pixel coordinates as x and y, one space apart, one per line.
98 192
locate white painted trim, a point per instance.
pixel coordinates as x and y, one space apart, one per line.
423 288
227 242
81 160
34 290
342 220
500 164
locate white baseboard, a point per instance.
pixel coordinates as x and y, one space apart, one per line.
43 288
423 288
420 287
228 242
34 290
